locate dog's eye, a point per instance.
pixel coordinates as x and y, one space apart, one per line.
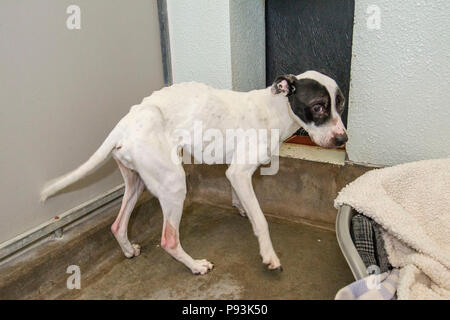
318 108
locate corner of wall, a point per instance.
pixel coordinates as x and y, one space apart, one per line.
248 49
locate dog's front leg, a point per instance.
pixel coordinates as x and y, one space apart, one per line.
240 176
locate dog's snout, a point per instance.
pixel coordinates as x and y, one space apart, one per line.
340 140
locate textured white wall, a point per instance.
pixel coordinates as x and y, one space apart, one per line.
400 94
218 42
248 44
199 41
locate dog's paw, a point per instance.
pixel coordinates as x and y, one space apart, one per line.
134 252
273 263
273 268
201 266
137 249
241 210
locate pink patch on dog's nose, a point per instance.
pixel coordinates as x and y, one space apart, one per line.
339 128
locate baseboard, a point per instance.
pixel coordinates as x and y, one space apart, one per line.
55 226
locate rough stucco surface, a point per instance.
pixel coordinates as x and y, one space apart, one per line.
220 43
399 97
248 45
199 40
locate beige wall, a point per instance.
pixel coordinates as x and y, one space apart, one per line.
62 91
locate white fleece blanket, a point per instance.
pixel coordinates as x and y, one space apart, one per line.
412 203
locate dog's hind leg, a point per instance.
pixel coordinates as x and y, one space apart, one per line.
170 239
133 189
237 203
166 179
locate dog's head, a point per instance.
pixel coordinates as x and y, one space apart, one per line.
316 104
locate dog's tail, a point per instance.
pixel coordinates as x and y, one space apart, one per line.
94 161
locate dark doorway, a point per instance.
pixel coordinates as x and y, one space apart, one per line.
306 35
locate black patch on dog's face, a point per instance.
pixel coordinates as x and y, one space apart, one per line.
311 101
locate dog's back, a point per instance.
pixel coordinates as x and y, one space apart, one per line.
185 103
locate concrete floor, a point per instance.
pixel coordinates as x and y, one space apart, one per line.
314 267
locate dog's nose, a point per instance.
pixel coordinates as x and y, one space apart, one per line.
340 140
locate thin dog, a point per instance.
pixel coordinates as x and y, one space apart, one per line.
143 142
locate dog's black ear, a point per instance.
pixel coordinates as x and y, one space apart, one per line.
284 85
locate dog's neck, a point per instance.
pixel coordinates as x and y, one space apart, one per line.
283 116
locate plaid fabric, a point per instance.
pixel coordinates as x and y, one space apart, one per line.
364 240
368 240
380 253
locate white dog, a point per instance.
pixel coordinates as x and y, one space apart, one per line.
142 143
